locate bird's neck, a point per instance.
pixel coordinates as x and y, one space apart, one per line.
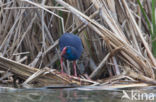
70 53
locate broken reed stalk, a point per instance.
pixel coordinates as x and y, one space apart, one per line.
99 69
44 77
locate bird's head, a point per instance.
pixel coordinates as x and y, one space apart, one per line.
66 50
68 53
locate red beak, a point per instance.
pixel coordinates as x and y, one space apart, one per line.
63 51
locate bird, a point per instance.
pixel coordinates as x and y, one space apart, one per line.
71 49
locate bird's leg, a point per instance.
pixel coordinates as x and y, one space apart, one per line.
62 72
61 65
75 73
74 64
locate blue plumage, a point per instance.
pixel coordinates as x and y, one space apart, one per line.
73 44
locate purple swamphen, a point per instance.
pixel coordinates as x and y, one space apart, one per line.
71 49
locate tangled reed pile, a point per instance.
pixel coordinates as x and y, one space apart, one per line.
114 33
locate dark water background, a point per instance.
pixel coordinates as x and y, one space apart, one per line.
63 95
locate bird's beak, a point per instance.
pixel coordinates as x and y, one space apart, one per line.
63 51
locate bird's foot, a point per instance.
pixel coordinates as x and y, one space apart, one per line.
75 75
87 77
62 73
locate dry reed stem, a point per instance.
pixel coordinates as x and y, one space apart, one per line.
127 49
44 77
40 6
99 68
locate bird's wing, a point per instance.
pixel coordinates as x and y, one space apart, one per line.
70 40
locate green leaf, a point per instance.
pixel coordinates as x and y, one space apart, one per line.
154 27
145 16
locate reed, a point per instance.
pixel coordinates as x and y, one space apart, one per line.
116 38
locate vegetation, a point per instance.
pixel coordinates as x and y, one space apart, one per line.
152 29
116 35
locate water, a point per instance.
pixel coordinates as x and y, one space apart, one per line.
64 95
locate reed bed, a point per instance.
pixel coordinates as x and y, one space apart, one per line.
115 36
